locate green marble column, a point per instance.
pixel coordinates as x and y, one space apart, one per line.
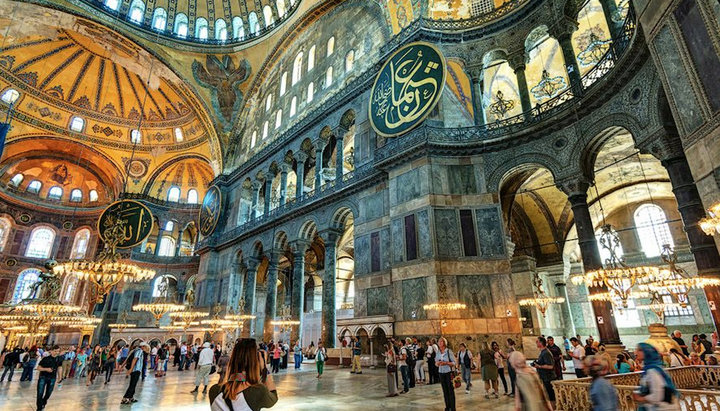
283 184
160 233
563 33
250 282
255 199
610 9
476 93
271 298
517 63
268 194
318 165
339 157
300 158
297 305
329 323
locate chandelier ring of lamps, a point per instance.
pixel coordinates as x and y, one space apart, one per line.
285 322
443 310
540 300
711 224
162 305
216 323
187 317
122 325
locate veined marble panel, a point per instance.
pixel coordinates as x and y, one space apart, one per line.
378 301
461 179
398 244
475 292
413 298
424 234
447 233
490 232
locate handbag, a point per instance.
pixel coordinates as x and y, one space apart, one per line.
391 368
213 370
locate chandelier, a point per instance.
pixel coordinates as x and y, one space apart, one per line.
443 310
285 322
548 87
162 305
711 225
540 300
657 306
123 324
216 323
501 107
238 315
187 317
594 51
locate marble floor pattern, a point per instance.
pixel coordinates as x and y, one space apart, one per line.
337 390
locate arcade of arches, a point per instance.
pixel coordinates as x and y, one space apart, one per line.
556 118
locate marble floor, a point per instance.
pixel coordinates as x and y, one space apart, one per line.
298 390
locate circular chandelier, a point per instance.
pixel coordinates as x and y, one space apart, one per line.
123 324
540 300
711 224
187 317
216 323
285 322
161 306
444 307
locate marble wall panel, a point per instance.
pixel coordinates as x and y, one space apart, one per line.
413 298
501 286
461 179
362 255
378 300
361 303
407 186
372 206
490 232
475 292
424 234
385 248
447 233
398 246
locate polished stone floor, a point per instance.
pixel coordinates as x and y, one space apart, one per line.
337 390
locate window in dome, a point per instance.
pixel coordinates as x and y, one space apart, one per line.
297 68
112 4
545 71
34 187
278 119
310 92
280 5
652 229
220 30
501 96
592 38
201 28
135 137
179 135
238 29
480 7
80 245
41 243
293 106
192 196
173 194
17 179
268 102
254 24
330 46
268 15
93 196
181 25
283 83
137 11
23 286
10 96
77 124
604 252
311 58
253 139
349 61
167 246
169 226
55 193
5 226
159 19
328 77
266 126
76 195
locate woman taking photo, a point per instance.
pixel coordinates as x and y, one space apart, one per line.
530 392
445 362
391 365
241 388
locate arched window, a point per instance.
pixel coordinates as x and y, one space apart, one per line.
112 4
10 96
169 226
328 77
167 246
5 227
70 289
604 252
159 19
311 58
55 193
220 30
283 83
173 194
17 179
179 135
76 195
330 46
268 103
268 15
254 24
41 243
238 29
24 283
201 28
265 130
137 11
181 25
280 5
278 119
311 92
80 245
293 106
93 196
77 124
135 137
253 139
192 196
34 187
158 281
297 68
349 61
652 229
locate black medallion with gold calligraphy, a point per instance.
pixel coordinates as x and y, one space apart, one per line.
407 89
135 218
210 211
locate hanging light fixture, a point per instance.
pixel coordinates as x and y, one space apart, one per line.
285 322
216 323
711 224
501 107
123 324
162 305
540 300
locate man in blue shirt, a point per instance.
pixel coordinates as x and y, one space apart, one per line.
356 352
134 370
67 363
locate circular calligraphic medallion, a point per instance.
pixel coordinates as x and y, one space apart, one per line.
135 218
25 218
407 88
210 211
137 169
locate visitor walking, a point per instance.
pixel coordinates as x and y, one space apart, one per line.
206 359
402 365
677 337
68 359
242 387
511 370
29 363
110 364
222 363
577 354
445 362
420 363
489 371
48 374
557 355
657 391
465 359
94 364
432 350
391 368
81 360
531 394
320 357
134 365
410 348
297 354
546 368
276 354
12 359
603 394
356 353
500 358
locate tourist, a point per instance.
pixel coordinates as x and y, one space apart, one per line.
124 352
298 355
546 368
276 354
206 359
110 364
432 366
67 363
263 354
712 360
242 387
320 358
557 357
695 359
183 356
603 394
511 371
47 368
222 363
706 347
603 355
134 365
28 365
657 391
445 362
10 362
577 354
676 359
621 364
677 337
285 352
176 356
94 364
531 395
589 348
410 360
310 352
391 367
153 356
420 363
489 371
500 358
402 365
465 359
81 359
566 345
695 343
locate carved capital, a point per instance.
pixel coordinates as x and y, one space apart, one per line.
517 60
574 186
330 237
662 145
475 73
257 185
285 168
301 157
299 247
563 29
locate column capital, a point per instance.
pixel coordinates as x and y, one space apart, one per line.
330 237
517 60
339 132
319 144
257 185
301 157
285 168
663 146
574 187
300 246
476 73
563 29
252 263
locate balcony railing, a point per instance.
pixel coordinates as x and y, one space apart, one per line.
185 207
157 259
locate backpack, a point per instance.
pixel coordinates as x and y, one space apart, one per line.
128 361
707 345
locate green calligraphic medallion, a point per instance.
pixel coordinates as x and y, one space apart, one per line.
210 211
407 89
135 217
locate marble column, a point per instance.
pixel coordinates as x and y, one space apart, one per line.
692 211
236 286
339 156
160 234
256 186
568 323
268 194
517 63
297 305
179 243
476 91
319 146
329 323
563 33
271 296
609 10
283 183
300 158
250 282
604 318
